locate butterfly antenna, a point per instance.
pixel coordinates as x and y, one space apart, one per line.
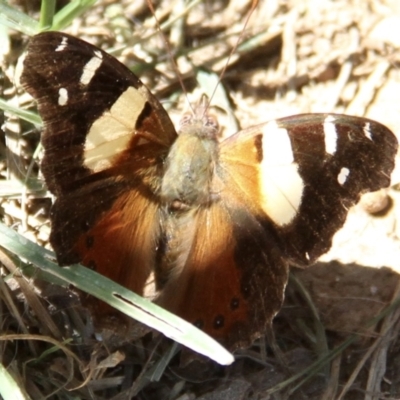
169 49
254 4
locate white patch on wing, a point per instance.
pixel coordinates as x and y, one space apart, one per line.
62 97
281 185
110 134
367 130
63 44
343 175
330 135
277 148
91 67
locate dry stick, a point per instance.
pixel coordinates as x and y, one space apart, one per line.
47 339
6 296
32 221
137 384
359 367
345 71
253 7
91 367
367 91
378 362
98 368
41 313
172 19
289 53
167 45
389 321
176 32
316 366
331 390
25 191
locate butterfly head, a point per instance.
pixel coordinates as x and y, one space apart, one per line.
199 122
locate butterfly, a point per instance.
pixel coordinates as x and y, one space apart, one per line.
218 222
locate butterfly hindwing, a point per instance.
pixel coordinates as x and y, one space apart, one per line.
230 281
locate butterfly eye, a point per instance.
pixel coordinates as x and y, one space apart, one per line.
210 127
211 122
185 120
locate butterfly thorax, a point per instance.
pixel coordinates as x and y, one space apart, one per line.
190 165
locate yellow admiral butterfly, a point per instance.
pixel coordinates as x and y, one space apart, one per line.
218 223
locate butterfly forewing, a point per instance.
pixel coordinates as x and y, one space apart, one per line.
304 172
94 111
97 118
358 156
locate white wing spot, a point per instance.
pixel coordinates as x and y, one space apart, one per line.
63 44
343 175
111 133
367 130
62 97
281 184
90 68
98 54
277 147
330 134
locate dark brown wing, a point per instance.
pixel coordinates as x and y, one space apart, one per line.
104 135
303 173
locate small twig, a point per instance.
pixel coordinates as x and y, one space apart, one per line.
383 340
345 71
368 90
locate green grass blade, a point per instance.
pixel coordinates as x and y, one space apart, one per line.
47 14
29 116
9 388
71 11
17 20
